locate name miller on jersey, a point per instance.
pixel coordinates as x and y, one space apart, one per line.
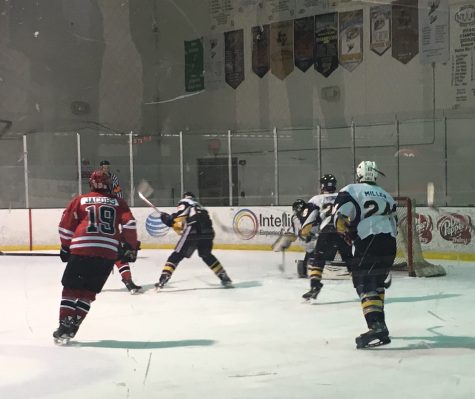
100 200
372 193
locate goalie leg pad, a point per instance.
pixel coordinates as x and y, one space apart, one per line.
302 269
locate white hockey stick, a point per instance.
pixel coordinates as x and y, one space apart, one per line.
144 199
145 188
430 195
431 205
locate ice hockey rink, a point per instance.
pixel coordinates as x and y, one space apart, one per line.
256 341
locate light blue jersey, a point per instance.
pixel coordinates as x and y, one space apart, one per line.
369 208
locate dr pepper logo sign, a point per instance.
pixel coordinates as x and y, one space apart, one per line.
455 228
424 228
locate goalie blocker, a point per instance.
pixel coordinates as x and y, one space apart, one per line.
283 242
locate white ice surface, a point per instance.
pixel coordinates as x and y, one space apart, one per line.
256 341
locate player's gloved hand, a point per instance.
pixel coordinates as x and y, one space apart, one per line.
309 238
126 254
348 239
64 253
166 218
179 224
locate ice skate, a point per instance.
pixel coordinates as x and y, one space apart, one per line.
77 320
388 281
65 331
377 335
313 293
161 282
132 287
225 280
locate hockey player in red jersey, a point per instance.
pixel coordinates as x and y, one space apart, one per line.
96 229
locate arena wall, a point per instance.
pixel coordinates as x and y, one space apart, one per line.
443 235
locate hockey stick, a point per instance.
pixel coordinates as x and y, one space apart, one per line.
431 205
430 196
144 199
145 188
26 254
8 124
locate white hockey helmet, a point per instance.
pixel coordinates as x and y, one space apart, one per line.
367 171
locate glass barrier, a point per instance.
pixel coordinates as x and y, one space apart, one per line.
157 161
206 168
337 154
298 164
421 159
52 169
12 174
379 143
265 167
255 156
460 162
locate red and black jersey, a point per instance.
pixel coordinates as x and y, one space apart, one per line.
94 223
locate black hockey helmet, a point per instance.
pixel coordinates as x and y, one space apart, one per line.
299 205
104 162
188 194
328 183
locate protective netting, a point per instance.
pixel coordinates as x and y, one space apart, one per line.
409 256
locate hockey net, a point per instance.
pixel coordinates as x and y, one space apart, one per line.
409 256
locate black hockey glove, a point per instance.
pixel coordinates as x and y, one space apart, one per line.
64 254
167 219
126 254
309 238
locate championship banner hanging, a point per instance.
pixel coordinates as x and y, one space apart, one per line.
351 39
462 44
194 80
222 15
278 10
304 31
260 50
304 8
282 49
405 30
433 31
326 43
213 61
234 57
380 29
249 12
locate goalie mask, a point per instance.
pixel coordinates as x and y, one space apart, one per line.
298 206
367 171
100 182
328 183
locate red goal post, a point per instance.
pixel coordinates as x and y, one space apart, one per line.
409 256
